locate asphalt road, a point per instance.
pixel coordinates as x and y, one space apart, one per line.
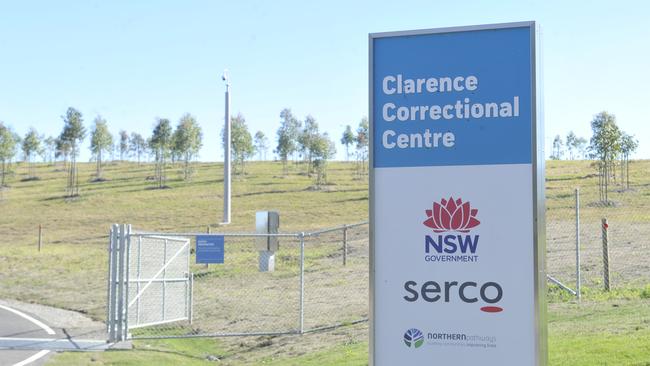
12 326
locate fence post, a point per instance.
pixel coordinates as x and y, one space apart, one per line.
209 231
191 305
120 284
605 231
301 236
40 236
126 281
108 282
164 283
345 244
114 284
578 279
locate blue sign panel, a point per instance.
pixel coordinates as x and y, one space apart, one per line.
458 98
209 249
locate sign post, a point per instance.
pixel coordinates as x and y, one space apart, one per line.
457 197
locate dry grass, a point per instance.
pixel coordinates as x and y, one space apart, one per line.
70 272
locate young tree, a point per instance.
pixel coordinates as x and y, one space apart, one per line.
7 151
187 142
31 145
322 150
137 145
628 146
571 143
306 140
580 144
347 139
101 141
362 140
287 136
261 144
124 144
49 147
73 134
242 142
605 145
557 148
62 150
161 144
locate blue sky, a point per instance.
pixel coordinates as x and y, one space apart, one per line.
133 61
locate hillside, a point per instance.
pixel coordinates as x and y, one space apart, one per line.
70 271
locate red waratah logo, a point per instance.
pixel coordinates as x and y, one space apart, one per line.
451 215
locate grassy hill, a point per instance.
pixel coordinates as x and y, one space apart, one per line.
70 271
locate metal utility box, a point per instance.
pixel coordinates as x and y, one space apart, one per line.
267 222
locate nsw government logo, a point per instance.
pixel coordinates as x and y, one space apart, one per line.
451 221
413 338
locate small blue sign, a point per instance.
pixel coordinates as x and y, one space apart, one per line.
209 248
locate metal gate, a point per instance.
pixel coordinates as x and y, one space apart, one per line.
149 281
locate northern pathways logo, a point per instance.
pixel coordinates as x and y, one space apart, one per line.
413 338
451 219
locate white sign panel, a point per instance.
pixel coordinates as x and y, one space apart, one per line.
456 198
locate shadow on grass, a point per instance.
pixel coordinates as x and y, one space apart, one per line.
571 178
30 179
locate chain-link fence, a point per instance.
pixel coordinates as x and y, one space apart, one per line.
336 277
319 281
595 245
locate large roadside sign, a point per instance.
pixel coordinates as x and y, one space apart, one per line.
457 207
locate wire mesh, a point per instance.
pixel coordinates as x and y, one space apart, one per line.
159 284
336 278
235 298
330 289
627 232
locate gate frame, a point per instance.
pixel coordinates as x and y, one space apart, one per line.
117 314
155 278
117 310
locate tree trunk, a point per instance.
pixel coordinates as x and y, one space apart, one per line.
99 164
606 182
627 168
187 166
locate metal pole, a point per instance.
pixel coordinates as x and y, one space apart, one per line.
209 232
345 245
40 236
164 283
126 281
578 281
191 312
120 284
605 228
302 282
139 261
108 282
113 280
226 155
